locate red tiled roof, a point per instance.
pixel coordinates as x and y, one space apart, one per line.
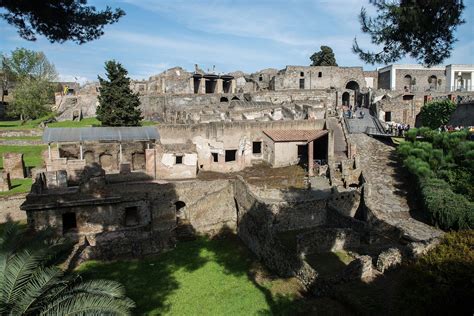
292 135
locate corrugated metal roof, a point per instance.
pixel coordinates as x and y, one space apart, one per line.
291 135
81 134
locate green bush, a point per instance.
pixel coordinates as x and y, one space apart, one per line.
447 209
440 282
436 113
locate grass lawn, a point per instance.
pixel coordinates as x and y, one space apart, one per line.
19 186
202 277
92 121
21 138
31 154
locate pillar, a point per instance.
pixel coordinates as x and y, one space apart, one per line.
49 151
120 152
310 158
220 86
330 145
191 85
150 162
471 84
202 86
81 154
233 86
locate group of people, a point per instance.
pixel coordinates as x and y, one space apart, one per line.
450 128
398 129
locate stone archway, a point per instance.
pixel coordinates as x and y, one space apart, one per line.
346 98
407 81
107 162
354 86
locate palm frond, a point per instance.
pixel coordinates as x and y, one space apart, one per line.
38 287
19 269
89 304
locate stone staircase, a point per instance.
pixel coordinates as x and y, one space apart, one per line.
364 125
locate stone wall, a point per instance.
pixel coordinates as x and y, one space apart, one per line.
10 208
326 240
14 165
421 77
321 77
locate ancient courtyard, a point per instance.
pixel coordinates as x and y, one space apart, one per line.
311 189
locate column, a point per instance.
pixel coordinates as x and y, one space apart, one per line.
471 84
202 86
191 85
330 145
120 152
49 151
233 86
220 86
310 158
81 156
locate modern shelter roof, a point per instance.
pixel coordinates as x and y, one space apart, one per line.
82 134
292 135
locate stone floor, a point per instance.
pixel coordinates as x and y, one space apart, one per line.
389 198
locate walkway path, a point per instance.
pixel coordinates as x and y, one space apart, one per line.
340 145
388 198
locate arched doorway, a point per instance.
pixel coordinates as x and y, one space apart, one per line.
180 205
407 80
345 98
235 98
224 99
433 81
354 86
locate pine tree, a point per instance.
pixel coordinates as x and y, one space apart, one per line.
325 57
118 105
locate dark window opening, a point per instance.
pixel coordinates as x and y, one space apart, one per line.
211 86
257 147
230 155
197 82
320 74
179 210
69 222
260 78
408 97
302 151
226 86
224 99
388 116
301 83
5 92
236 98
179 160
131 216
215 157
301 74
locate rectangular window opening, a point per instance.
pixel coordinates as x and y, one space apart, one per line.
131 216
320 74
301 83
179 160
257 147
69 222
388 116
301 74
215 157
230 155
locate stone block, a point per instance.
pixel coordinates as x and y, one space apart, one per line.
5 184
389 259
14 165
56 179
125 168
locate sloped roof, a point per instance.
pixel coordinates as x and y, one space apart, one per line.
292 135
63 135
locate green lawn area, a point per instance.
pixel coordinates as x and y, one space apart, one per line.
92 121
21 138
31 154
202 277
19 125
19 186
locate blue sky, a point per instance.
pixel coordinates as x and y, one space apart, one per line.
245 35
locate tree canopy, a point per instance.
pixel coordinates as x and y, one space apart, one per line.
118 105
58 20
325 57
423 30
25 64
436 113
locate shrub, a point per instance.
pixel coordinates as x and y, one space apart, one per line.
440 282
436 113
446 209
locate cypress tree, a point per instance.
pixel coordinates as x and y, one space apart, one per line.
118 105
